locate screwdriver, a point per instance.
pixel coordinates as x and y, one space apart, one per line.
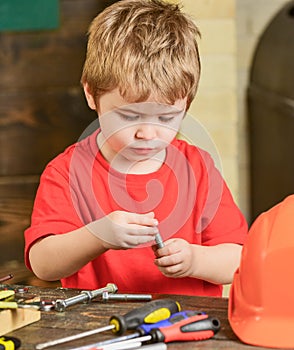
145 328
194 328
6 278
152 312
198 327
9 343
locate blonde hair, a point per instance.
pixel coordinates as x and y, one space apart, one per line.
143 47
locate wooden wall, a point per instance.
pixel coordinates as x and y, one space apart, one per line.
42 111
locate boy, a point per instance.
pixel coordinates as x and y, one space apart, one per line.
116 189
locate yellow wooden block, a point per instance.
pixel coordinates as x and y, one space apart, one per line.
17 318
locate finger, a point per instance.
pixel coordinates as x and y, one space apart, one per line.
167 261
160 252
168 250
173 271
175 268
142 219
134 241
137 230
156 250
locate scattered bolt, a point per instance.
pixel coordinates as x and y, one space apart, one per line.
84 297
125 297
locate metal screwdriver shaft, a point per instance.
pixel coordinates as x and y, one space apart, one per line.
73 337
159 309
197 327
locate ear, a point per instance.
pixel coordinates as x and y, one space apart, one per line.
89 97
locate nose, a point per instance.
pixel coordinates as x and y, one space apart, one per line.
146 131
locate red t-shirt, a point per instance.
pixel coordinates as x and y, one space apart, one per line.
187 194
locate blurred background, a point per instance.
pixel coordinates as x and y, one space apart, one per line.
245 100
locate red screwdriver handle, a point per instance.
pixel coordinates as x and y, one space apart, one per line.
199 327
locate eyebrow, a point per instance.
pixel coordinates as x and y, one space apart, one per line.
165 109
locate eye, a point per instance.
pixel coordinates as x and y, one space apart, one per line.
129 118
165 119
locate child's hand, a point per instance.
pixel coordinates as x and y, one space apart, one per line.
122 230
175 259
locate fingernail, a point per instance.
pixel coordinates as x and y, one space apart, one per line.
155 222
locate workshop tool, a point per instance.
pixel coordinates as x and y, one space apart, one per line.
85 296
129 346
6 278
11 315
6 294
194 328
154 311
9 343
198 327
42 305
159 241
125 297
120 346
9 299
145 328
158 346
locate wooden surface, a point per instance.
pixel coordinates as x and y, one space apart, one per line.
42 107
42 111
16 202
84 317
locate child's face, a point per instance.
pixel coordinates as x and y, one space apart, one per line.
137 131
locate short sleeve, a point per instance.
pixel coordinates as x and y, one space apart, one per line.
54 211
221 220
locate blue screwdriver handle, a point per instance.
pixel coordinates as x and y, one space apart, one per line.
145 328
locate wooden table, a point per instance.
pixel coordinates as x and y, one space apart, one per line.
83 317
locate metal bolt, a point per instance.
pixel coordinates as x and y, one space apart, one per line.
84 297
125 297
159 241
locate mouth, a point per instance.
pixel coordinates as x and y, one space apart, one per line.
142 150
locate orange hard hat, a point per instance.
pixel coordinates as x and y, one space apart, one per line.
261 301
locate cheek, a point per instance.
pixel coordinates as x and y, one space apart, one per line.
107 128
170 130
111 128
119 139
167 134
